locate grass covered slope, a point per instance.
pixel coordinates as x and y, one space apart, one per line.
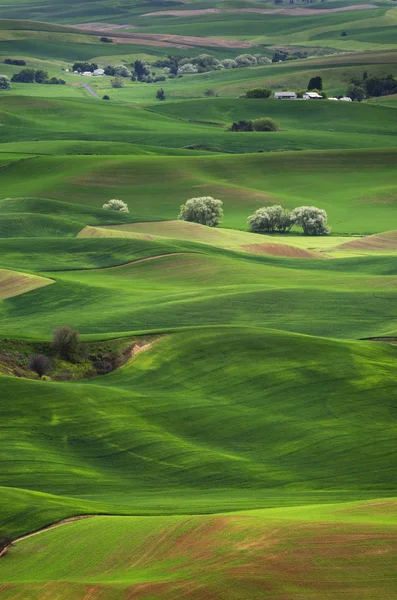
207 556
357 188
206 410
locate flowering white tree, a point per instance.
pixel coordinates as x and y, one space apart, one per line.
313 220
117 205
228 63
204 210
187 69
270 219
4 82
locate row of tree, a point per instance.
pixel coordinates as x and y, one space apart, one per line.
206 210
36 76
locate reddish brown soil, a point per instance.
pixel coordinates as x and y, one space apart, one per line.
297 12
280 250
381 242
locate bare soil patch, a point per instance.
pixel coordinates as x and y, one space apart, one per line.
297 12
380 242
280 250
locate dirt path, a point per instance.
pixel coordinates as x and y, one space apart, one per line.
91 91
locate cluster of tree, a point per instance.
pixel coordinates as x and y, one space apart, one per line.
82 67
258 93
139 71
368 85
176 66
283 55
207 210
262 124
65 345
117 205
15 61
4 82
272 219
36 76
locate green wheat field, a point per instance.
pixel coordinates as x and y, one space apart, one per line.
245 446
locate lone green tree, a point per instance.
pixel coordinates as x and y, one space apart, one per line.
40 364
204 210
315 83
116 205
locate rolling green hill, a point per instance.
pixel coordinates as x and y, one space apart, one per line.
246 449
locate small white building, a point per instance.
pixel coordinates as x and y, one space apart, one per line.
333 99
312 96
345 99
99 72
285 95
87 74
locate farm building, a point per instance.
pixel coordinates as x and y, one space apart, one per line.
99 72
285 95
346 99
312 96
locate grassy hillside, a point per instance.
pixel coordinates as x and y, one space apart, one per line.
246 449
229 421
207 555
357 188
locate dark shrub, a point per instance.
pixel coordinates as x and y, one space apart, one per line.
40 364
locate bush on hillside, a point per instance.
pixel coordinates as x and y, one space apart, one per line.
105 97
210 92
313 220
66 343
40 364
4 83
106 40
270 219
258 93
264 124
204 210
116 205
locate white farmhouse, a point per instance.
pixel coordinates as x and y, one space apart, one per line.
312 96
87 74
285 95
346 99
99 72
